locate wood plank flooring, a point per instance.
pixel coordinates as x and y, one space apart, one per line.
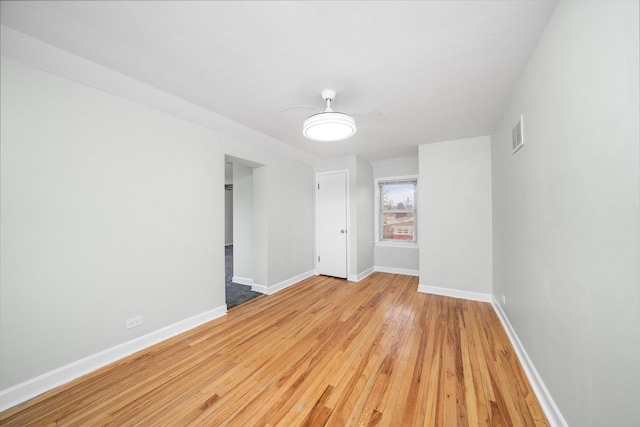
322 352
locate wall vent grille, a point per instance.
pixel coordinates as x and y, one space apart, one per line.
517 136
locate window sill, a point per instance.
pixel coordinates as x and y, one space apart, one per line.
398 245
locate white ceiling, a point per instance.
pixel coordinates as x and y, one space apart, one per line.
424 71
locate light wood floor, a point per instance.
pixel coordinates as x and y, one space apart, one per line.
322 352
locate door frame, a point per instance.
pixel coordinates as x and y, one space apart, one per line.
347 195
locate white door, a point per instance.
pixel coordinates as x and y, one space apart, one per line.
331 224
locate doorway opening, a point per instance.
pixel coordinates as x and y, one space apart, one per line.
235 293
239 213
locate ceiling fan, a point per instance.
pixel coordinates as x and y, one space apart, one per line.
329 125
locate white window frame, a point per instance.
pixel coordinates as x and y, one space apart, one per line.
377 209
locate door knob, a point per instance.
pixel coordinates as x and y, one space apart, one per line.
343 231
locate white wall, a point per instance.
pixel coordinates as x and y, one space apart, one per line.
282 239
396 167
242 223
282 209
111 209
566 212
454 217
274 216
260 236
228 217
289 197
364 216
390 258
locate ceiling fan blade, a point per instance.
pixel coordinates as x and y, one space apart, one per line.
308 107
370 118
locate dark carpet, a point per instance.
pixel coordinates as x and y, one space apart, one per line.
236 293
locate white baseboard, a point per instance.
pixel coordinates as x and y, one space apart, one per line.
454 293
549 407
242 280
393 270
366 273
258 288
360 276
269 290
29 389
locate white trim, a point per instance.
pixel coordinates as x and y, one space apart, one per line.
366 273
549 407
359 277
398 244
33 387
242 280
455 293
259 288
270 290
393 270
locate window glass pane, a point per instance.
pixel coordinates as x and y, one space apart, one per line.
397 196
398 226
397 215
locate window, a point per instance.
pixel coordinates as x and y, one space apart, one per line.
396 205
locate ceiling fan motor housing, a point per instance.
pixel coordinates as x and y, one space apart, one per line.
328 94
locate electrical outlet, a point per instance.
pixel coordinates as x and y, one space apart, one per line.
504 300
133 322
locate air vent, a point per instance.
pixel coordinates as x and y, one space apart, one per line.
517 136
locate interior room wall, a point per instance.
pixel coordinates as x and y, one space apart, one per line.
566 212
228 217
364 220
283 239
243 223
110 210
454 216
389 258
289 199
228 204
260 236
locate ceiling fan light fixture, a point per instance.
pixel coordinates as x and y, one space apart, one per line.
329 126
